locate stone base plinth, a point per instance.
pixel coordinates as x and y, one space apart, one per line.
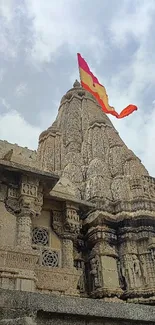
27 308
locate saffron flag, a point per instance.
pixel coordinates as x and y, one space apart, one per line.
91 84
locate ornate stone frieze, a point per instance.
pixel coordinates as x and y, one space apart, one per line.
135 233
96 234
27 197
71 222
60 281
57 222
29 189
17 259
13 192
134 206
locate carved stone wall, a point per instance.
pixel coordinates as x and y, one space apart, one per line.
20 201
93 234
45 241
102 170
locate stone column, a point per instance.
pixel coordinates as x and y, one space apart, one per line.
28 203
104 278
24 230
71 230
67 253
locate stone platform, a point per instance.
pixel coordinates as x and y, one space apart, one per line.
25 308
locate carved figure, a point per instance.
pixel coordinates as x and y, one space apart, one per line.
95 272
132 271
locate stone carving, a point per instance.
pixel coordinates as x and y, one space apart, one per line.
28 189
71 224
50 258
40 236
96 273
13 192
79 264
144 269
57 222
131 270
18 259
148 184
39 200
12 205
61 281
104 197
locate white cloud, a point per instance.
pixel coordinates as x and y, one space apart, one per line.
21 89
4 103
131 83
57 23
138 133
52 24
7 8
135 23
2 73
10 32
15 129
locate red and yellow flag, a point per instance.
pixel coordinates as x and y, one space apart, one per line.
91 84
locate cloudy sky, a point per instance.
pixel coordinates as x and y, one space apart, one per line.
39 40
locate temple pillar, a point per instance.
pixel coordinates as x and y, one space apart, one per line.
30 205
103 272
67 253
24 230
71 229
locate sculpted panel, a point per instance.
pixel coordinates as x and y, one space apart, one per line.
58 280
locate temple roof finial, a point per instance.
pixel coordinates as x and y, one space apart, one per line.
76 84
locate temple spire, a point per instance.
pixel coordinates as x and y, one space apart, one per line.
76 84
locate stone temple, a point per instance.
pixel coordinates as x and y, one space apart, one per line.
77 225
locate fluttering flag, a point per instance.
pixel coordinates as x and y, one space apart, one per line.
91 84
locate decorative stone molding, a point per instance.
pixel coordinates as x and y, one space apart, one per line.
29 185
12 199
60 281
17 269
18 259
71 223
29 189
57 222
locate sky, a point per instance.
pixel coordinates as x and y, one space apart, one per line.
39 41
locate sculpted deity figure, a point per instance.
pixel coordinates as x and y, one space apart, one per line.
95 272
144 268
131 271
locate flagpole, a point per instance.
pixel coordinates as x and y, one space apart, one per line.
79 69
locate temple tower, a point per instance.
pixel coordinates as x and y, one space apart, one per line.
77 222
84 149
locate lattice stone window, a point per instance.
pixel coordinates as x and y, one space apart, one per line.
40 239
50 258
40 236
